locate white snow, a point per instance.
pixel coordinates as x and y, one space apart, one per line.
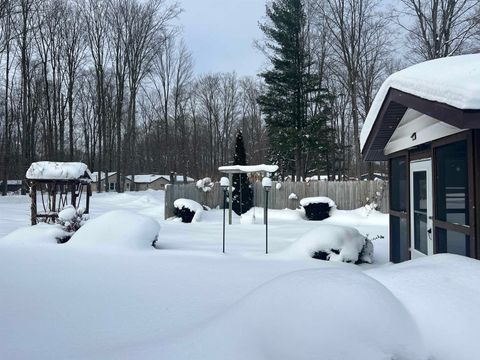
191 205
39 234
149 178
117 297
248 168
292 196
205 184
324 238
278 185
121 229
68 213
452 80
102 175
317 200
57 170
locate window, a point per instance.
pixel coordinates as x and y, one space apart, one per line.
399 241
452 183
453 242
452 211
398 206
398 180
112 186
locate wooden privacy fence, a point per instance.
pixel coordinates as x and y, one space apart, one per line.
348 195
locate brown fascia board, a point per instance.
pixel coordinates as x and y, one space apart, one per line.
394 107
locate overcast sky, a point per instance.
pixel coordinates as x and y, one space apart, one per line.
220 34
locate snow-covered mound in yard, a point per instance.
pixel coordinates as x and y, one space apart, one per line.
334 314
338 243
255 216
360 216
38 234
442 292
119 228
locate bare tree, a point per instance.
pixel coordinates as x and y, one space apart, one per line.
438 28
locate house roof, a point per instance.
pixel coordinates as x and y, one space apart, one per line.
149 178
447 89
238 169
102 177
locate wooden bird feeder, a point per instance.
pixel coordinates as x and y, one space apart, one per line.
55 185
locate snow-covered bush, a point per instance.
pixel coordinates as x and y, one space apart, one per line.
333 243
317 208
121 229
188 210
71 220
292 196
205 184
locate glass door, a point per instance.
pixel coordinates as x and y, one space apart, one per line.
421 209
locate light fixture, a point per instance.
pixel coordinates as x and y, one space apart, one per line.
267 185
224 184
413 136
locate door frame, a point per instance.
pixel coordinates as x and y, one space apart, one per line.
418 166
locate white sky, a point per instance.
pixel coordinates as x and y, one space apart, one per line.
220 34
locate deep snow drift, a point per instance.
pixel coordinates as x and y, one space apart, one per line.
110 295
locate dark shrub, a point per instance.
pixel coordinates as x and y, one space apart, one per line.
185 214
317 211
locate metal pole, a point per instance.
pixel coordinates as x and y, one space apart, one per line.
266 222
224 205
230 202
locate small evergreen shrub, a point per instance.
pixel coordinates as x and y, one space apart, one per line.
185 214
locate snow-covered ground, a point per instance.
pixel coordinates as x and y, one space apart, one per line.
187 300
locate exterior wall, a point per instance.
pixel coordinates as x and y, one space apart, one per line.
112 179
402 216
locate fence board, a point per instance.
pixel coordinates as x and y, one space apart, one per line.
347 195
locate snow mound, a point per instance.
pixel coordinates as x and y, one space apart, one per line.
68 213
339 243
39 234
442 292
190 205
119 228
335 314
317 200
292 196
205 184
48 170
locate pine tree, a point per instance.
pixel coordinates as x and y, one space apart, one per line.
295 105
242 191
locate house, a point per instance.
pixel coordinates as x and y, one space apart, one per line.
425 120
152 181
112 180
12 185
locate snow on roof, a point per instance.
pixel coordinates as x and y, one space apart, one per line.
454 81
248 168
49 170
149 178
95 175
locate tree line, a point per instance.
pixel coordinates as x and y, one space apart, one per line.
112 83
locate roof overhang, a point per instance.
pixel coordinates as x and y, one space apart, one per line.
393 109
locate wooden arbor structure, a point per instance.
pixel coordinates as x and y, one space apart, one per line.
55 185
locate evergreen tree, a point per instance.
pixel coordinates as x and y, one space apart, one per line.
242 191
295 105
